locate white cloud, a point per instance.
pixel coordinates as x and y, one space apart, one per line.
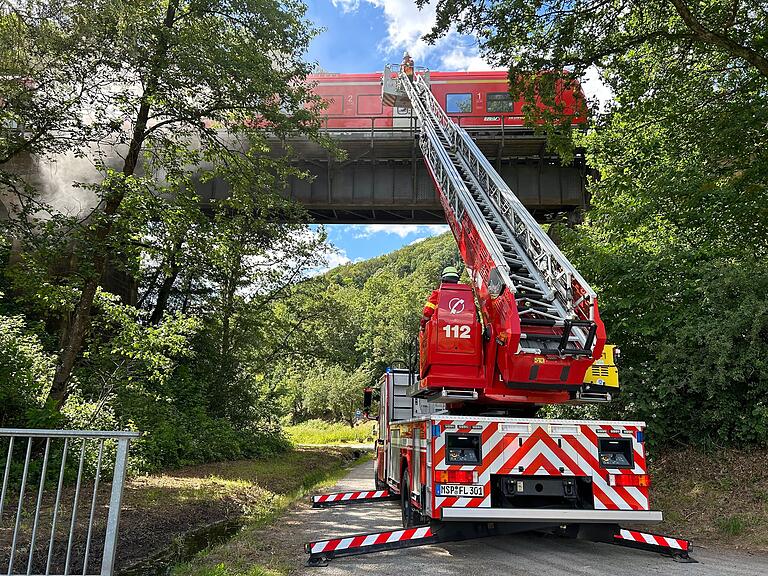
595 88
401 230
417 240
333 257
346 5
464 57
435 229
337 259
406 25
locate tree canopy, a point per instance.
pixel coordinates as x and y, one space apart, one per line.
153 304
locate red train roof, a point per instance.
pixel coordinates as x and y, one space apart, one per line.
434 75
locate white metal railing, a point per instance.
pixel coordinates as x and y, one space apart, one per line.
42 534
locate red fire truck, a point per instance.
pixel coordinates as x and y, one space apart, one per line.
458 444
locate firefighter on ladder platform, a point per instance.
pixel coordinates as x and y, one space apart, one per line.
450 275
408 66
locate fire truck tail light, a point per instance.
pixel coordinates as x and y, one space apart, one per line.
455 476
642 480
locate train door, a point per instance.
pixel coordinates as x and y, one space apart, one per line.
403 117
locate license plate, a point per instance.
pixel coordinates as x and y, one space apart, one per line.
461 490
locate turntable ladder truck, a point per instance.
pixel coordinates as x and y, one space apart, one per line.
458 447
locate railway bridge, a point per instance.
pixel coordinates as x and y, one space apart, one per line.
382 179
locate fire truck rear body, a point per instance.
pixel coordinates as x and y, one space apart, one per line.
505 468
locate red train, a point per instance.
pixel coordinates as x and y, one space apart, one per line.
473 98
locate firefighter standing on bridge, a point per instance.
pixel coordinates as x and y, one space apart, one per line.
450 276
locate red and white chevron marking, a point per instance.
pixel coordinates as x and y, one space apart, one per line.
347 496
653 539
369 540
564 454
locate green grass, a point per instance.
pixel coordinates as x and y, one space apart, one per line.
322 432
248 553
719 498
222 570
732 525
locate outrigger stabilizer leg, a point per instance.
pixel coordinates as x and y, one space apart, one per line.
677 548
361 497
322 551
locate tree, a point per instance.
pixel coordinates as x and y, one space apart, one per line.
174 83
674 242
25 372
548 44
332 391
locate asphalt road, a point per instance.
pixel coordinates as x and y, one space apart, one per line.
519 555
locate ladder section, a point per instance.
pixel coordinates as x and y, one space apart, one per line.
556 309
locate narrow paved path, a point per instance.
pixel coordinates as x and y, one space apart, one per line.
521 555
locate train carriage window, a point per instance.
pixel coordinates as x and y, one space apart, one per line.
499 102
335 104
369 104
458 103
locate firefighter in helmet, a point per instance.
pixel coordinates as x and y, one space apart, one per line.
407 66
450 275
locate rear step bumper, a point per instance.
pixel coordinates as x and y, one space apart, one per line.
548 515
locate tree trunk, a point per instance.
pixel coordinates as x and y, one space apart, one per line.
164 293
78 328
150 288
721 39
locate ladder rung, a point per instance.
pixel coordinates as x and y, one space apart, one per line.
526 279
550 337
540 322
556 352
534 305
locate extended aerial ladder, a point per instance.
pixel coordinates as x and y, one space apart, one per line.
543 328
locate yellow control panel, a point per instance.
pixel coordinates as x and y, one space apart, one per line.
604 372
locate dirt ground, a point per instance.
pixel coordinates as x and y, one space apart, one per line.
719 498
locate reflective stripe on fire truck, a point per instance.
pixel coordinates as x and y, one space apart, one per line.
653 540
540 454
337 544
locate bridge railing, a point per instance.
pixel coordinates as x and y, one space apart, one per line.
43 533
372 122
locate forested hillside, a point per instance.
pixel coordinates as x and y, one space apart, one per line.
354 322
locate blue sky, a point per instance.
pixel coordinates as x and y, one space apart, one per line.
362 36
